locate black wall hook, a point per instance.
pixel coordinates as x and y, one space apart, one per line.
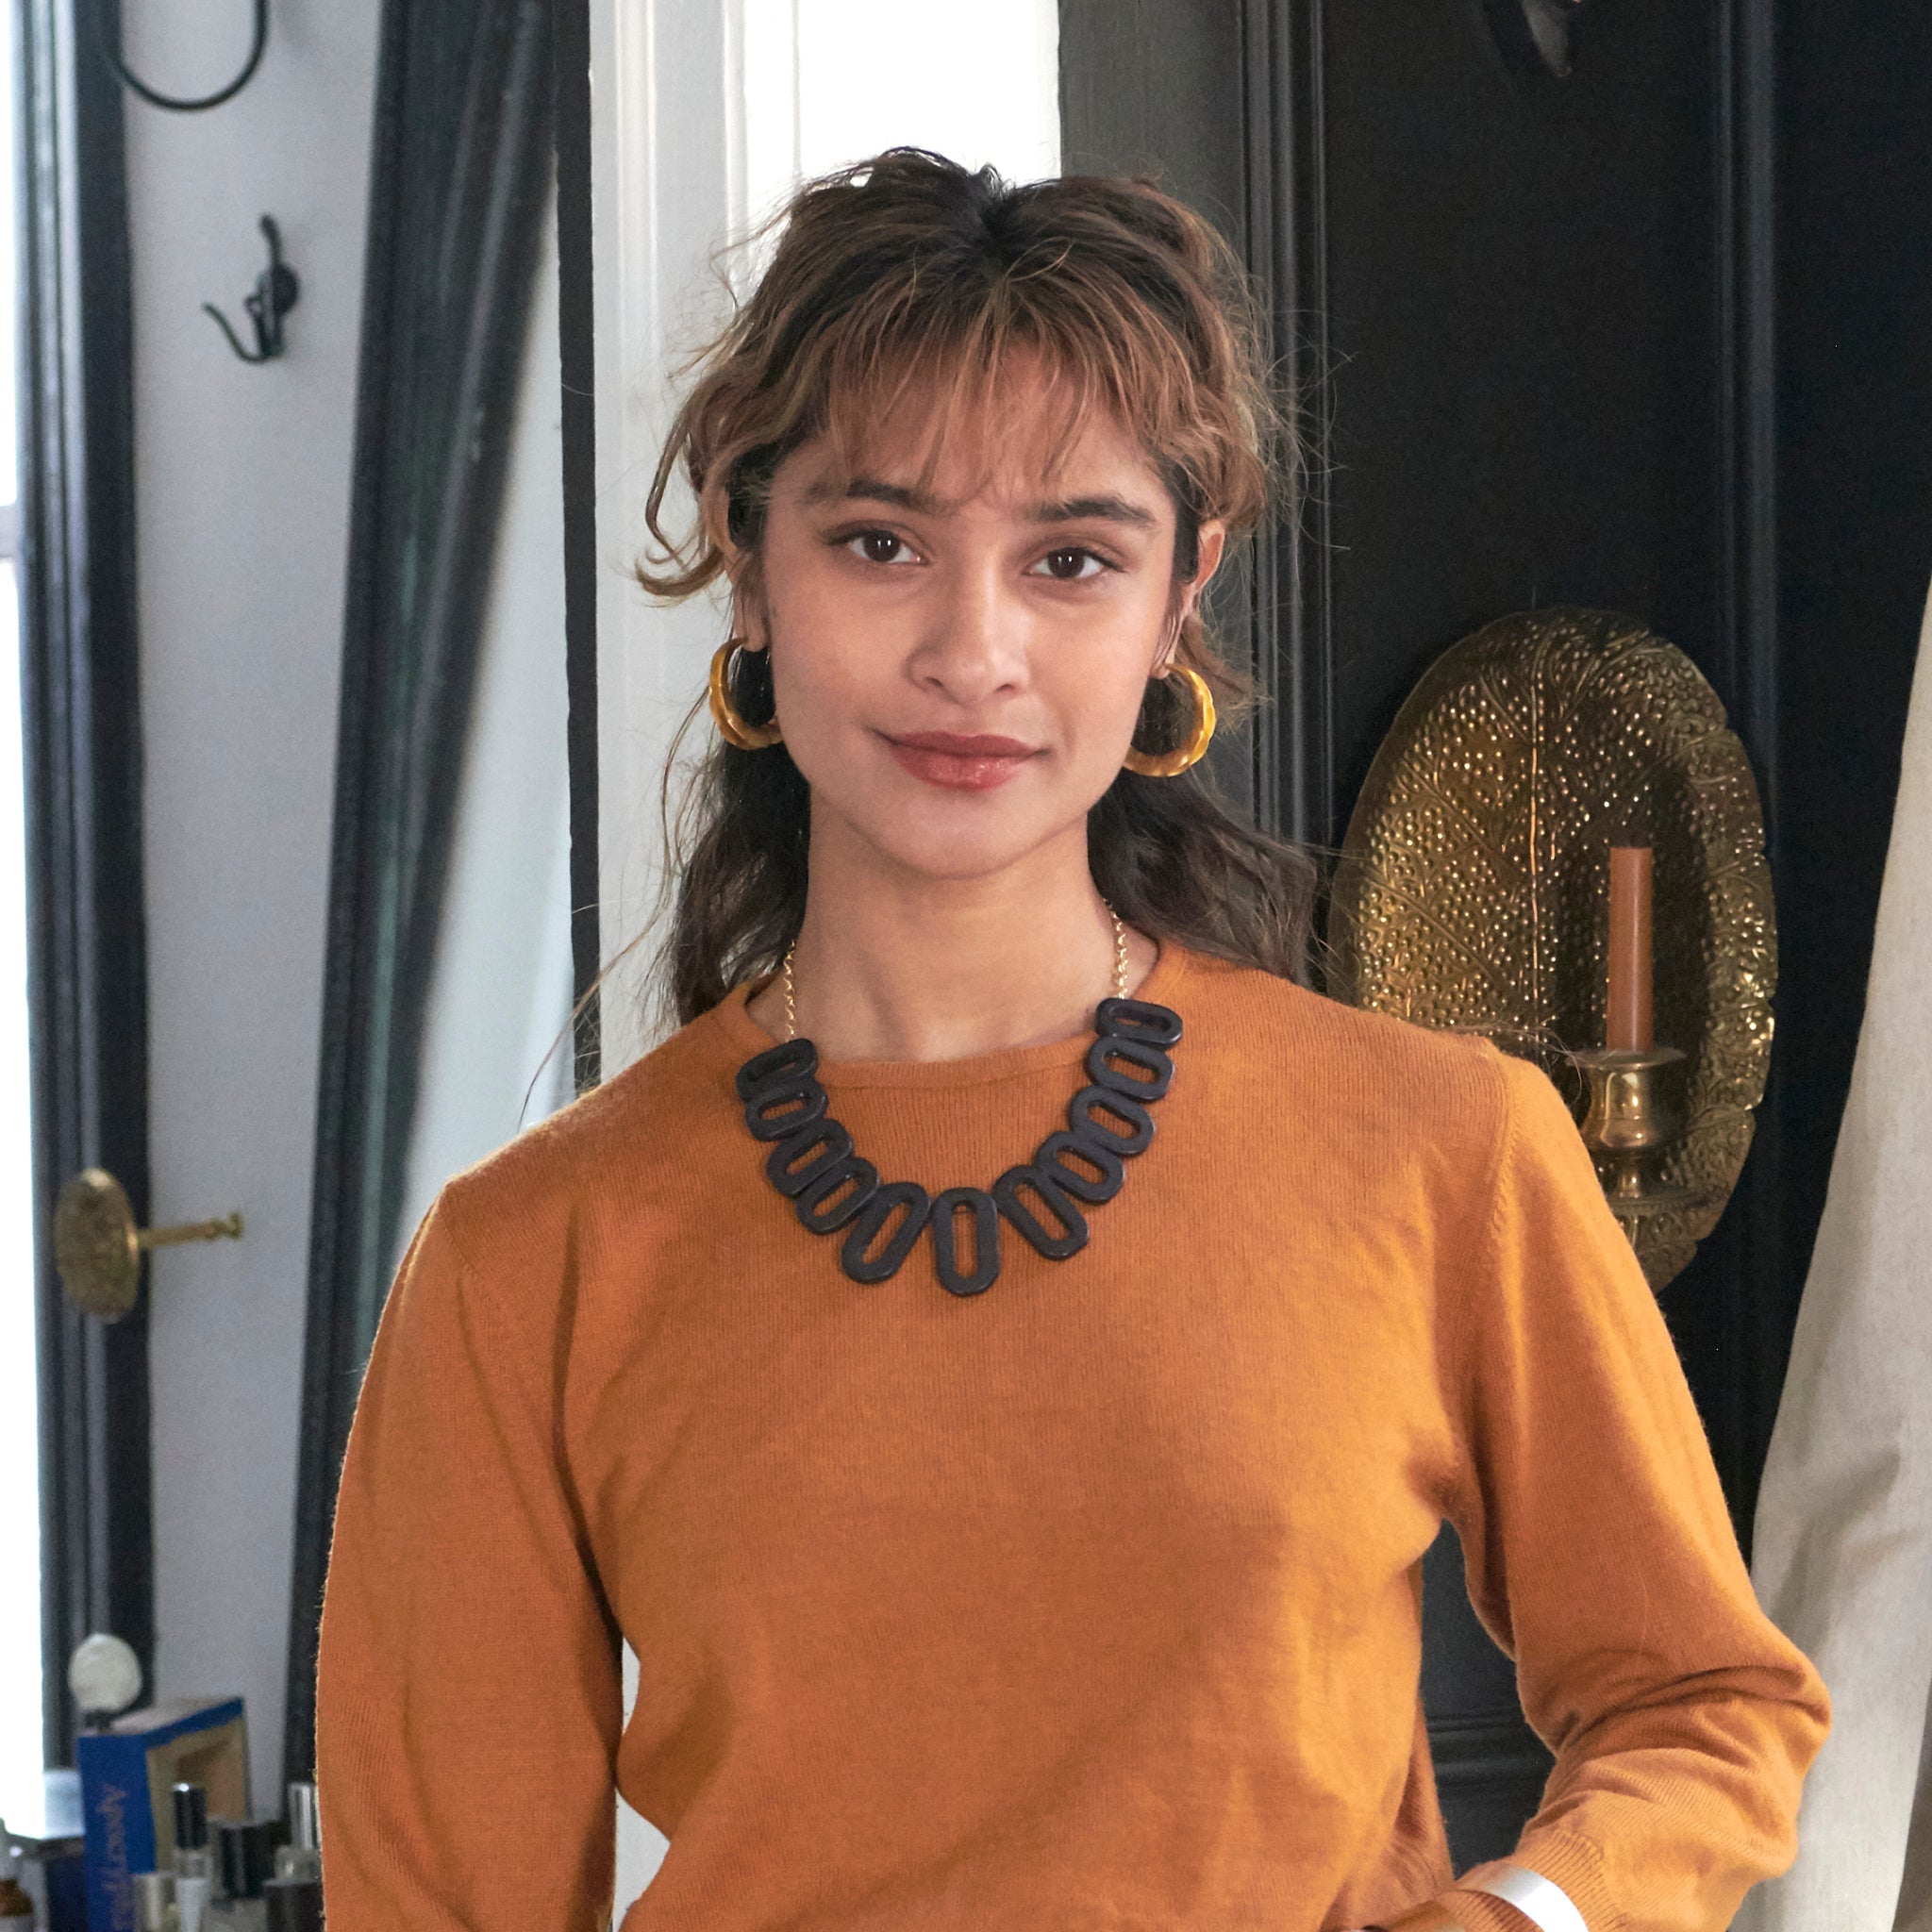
108 42
276 289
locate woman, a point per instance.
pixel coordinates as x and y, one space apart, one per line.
1000 1361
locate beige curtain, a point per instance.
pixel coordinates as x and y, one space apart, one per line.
1842 1550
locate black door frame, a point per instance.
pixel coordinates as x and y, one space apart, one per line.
80 702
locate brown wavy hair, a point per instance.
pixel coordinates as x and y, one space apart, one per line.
908 269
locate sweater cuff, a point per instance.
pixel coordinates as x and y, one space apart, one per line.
1572 1870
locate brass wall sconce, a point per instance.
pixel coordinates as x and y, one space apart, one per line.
97 1245
1473 893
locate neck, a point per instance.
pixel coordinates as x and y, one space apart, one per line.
896 966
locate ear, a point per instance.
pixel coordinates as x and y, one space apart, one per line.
1210 546
746 610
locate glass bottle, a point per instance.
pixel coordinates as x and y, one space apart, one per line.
193 1863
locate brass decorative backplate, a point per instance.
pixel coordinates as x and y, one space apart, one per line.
1473 890
97 1245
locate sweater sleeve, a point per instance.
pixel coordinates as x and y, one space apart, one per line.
468 1700
1600 1556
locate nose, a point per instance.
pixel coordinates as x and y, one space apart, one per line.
973 643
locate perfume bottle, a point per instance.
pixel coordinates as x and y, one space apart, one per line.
294 1905
244 1850
193 1864
301 1858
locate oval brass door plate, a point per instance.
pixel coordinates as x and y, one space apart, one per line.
97 1245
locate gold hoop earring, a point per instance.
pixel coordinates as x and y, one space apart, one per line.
1169 764
732 728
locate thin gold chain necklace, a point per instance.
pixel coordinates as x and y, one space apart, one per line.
1120 972
831 1186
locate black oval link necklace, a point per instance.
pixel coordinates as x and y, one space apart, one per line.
831 1186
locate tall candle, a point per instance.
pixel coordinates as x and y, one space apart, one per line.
1626 1015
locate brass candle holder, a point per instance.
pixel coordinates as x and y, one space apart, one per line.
1627 1126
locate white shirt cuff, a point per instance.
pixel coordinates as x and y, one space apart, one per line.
1539 1898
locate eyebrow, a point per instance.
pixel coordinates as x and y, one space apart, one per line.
1114 510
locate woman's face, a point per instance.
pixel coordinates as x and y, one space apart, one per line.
958 673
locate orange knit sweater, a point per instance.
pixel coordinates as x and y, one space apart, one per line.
1088 1604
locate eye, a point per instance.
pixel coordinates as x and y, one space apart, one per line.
1065 565
876 547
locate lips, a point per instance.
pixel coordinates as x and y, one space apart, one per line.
960 761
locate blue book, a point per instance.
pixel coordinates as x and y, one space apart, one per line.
127 1774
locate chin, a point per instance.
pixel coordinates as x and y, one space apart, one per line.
978 854
964 838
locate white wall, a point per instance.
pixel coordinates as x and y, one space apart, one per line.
978 83
243 489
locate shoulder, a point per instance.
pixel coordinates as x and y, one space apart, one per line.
1352 1063
1364 1099
602 1156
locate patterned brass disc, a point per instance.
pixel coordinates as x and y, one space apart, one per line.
1473 888
97 1245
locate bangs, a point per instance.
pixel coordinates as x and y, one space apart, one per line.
1022 378
918 396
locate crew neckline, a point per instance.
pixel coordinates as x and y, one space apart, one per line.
969 1069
